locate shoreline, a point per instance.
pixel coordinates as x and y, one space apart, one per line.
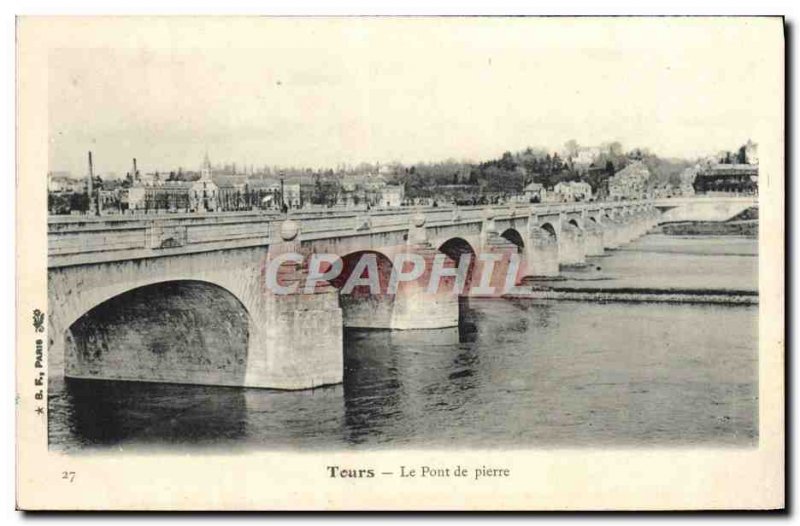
628 295
745 224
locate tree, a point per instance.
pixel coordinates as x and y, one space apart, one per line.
58 203
558 164
741 156
507 162
79 201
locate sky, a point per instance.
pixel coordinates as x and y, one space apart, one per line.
318 93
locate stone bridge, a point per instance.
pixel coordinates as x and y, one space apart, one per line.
182 298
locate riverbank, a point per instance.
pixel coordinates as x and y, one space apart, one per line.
743 224
661 268
739 297
747 228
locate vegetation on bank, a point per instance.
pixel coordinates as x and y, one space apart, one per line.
508 174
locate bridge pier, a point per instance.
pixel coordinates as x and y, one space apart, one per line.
416 309
302 342
542 255
362 307
594 235
611 228
411 306
504 250
366 311
571 247
541 249
628 230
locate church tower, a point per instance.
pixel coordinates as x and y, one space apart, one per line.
205 171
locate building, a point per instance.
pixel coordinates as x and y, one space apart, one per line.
732 179
231 192
262 193
292 196
204 193
108 201
585 156
366 190
203 196
62 182
151 179
354 198
392 195
133 198
173 196
630 182
155 192
571 191
534 193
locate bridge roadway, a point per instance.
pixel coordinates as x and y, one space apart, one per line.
182 298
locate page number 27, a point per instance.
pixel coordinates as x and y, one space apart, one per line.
69 476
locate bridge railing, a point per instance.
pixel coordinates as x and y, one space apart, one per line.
167 234
94 240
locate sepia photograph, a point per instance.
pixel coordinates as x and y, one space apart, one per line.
355 238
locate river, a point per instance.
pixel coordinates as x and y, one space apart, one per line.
518 373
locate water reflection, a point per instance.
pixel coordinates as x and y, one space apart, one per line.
108 413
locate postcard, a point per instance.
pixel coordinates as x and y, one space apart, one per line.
400 263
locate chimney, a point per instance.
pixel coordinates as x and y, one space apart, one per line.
90 186
93 203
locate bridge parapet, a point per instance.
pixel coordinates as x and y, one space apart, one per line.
88 239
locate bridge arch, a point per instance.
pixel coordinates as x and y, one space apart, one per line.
456 247
515 237
78 294
362 305
181 331
577 223
549 231
364 261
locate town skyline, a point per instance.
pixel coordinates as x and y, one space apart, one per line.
244 168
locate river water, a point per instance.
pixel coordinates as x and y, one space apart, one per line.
518 373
